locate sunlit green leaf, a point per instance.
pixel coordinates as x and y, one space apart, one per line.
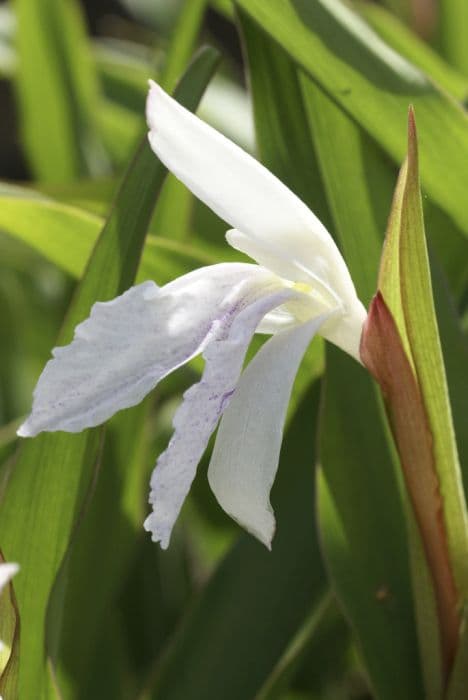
65 235
409 45
374 85
57 90
453 18
425 438
52 473
408 285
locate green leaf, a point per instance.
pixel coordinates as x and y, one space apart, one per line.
457 685
404 353
358 181
57 90
408 285
384 354
123 68
181 48
455 352
450 247
284 144
452 19
409 45
65 235
282 131
297 651
223 6
363 529
374 85
52 472
96 568
120 129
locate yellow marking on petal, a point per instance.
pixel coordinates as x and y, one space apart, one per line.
303 287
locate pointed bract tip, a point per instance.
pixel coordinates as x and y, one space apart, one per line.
378 317
412 138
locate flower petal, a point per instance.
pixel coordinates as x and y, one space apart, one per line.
203 404
246 195
7 571
129 344
345 330
246 453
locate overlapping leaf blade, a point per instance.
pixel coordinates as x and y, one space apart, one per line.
65 235
374 85
372 584
405 282
53 472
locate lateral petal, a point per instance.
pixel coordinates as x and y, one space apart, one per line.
246 453
203 404
245 194
129 344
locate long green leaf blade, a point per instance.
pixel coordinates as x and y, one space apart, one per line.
57 90
52 472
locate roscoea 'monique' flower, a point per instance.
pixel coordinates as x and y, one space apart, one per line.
299 287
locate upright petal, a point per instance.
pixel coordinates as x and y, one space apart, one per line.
246 453
203 404
246 195
129 344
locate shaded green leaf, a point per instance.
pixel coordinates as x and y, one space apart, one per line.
363 529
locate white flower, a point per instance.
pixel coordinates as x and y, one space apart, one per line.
300 285
7 571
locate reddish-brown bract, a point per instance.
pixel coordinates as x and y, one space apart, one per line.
383 354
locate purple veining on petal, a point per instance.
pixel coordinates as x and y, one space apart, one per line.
225 400
203 405
129 344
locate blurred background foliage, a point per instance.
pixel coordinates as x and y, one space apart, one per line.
319 92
